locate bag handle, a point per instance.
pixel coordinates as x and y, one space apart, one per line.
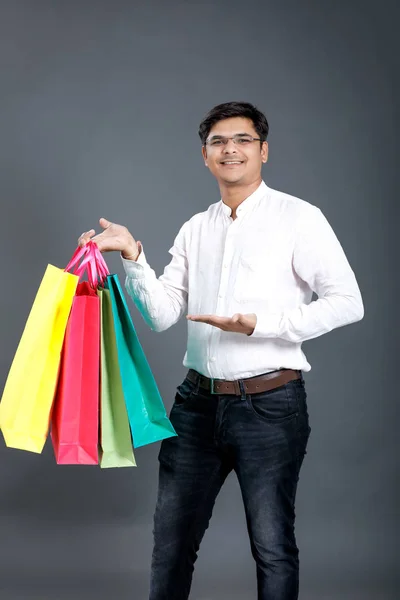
76 257
93 263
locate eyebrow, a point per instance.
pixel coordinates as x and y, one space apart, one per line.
213 137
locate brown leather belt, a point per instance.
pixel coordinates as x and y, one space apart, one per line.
252 385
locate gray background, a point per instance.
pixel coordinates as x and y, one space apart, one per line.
99 108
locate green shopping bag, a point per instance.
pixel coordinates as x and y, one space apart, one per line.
115 436
147 417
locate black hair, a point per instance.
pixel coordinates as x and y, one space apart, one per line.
227 110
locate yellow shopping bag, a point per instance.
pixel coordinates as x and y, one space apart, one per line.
27 399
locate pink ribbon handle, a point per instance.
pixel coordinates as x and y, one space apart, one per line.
76 257
100 262
89 267
93 263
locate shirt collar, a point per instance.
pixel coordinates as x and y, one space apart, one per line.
248 204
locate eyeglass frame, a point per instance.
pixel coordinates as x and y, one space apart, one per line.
224 139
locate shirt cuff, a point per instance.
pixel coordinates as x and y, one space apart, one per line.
267 326
135 269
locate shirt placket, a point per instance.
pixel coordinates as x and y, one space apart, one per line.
215 366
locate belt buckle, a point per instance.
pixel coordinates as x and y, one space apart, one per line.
212 390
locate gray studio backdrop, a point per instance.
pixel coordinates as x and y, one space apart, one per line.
99 108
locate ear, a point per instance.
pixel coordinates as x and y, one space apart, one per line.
264 152
204 153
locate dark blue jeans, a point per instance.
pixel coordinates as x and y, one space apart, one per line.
263 438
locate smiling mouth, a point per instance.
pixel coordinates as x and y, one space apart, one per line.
232 162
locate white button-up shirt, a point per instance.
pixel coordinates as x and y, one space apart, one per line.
267 261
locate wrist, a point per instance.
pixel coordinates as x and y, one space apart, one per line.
131 253
133 257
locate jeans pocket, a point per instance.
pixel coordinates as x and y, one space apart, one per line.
274 406
299 391
186 390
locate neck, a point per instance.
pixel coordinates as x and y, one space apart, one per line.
234 195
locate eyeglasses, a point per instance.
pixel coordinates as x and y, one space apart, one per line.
238 140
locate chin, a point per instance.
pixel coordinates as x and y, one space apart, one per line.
232 180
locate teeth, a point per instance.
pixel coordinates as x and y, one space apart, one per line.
232 162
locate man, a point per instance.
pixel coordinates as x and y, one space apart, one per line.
246 269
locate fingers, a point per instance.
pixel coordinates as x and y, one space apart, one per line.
101 241
86 237
105 223
107 241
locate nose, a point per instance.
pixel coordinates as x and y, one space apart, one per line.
230 147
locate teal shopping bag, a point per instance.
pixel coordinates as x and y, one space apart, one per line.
147 417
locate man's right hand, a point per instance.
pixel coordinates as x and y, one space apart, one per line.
113 238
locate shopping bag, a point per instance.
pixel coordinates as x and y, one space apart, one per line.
75 419
29 391
147 417
115 437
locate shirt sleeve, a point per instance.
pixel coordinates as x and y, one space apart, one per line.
161 301
319 260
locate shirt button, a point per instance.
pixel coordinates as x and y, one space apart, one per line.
212 359
219 295
225 266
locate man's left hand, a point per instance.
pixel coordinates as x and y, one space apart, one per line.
237 324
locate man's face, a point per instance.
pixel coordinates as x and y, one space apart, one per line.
234 163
